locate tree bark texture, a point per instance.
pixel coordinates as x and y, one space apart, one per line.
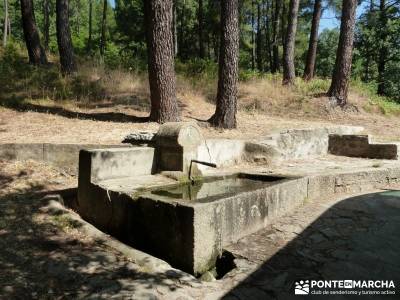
383 49
289 74
259 39
64 41
6 22
253 39
89 42
226 108
46 24
313 42
267 34
275 30
200 16
338 90
175 29
103 29
36 52
164 105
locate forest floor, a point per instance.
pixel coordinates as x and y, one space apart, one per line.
108 122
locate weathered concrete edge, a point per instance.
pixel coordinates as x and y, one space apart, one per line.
323 185
148 262
59 155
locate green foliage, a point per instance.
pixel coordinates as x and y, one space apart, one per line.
326 53
312 88
386 105
198 67
248 74
377 37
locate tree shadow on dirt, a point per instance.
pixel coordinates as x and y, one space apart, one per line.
356 239
19 105
42 256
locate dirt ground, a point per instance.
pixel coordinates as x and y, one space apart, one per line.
44 255
108 123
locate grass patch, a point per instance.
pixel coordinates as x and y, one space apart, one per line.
385 105
65 223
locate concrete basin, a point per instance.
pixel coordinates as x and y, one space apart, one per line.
186 225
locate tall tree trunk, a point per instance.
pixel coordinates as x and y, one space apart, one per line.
64 42
341 75
284 16
383 49
200 15
368 54
89 42
226 108
313 42
6 22
267 33
175 29
46 24
259 39
164 105
275 30
182 24
253 39
9 26
103 29
36 52
289 74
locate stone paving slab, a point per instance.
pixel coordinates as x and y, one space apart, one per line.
341 238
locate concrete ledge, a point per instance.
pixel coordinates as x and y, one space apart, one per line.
302 143
59 155
361 146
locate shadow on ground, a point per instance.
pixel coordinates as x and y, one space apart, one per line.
356 239
42 257
19 105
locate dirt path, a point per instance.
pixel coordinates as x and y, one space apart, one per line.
110 124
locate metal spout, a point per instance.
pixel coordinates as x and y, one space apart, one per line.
208 164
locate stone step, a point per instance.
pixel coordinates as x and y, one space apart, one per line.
361 146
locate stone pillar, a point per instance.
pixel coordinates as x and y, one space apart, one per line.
176 145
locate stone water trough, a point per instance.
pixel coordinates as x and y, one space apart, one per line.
169 202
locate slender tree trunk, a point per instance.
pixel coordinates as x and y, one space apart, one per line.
275 30
284 16
289 74
9 26
200 15
253 39
267 34
164 106
182 29
383 49
6 22
103 29
259 39
89 42
64 41
341 75
36 52
313 42
225 113
46 24
368 56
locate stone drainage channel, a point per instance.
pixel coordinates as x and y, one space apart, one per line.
145 197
